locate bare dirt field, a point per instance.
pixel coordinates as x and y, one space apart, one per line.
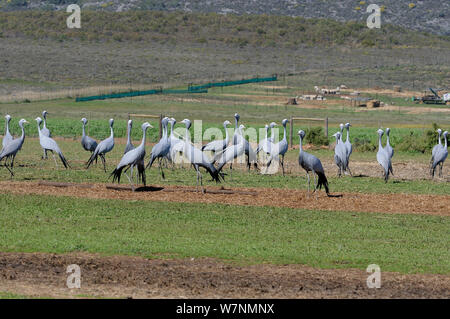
353 202
38 274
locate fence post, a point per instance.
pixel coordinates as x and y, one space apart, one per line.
291 131
326 127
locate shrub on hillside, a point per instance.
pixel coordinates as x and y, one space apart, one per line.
316 136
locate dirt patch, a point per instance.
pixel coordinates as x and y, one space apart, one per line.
354 202
38 274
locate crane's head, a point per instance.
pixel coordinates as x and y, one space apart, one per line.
236 116
439 131
337 135
341 126
22 122
8 117
387 130
226 123
347 125
164 121
38 120
273 124
146 125
130 123
380 132
301 133
187 123
44 114
445 134
173 120
285 121
84 120
111 122
241 127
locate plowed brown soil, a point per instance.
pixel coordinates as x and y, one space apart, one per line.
44 275
355 202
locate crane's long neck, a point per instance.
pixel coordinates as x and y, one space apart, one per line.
165 131
284 134
7 126
445 141
348 134
144 135
439 138
112 131
45 122
387 139
129 134
301 145
379 142
39 128
187 137
236 124
84 130
226 134
22 137
171 129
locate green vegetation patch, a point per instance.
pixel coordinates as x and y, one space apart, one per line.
403 243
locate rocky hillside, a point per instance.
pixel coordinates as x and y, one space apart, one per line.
430 15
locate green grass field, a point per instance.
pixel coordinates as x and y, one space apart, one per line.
403 243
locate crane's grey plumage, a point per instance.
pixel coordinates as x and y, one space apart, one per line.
129 145
132 158
389 150
103 147
271 139
383 157
45 131
232 152
436 148
218 146
440 156
311 163
280 148
348 147
88 143
198 159
10 150
174 141
48 144
340 154
161 149
7 137
249 152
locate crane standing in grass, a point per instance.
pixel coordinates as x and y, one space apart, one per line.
88 143
198 159
249 152
232 152
131 159
440 157
161 149
218 146
310 163
389 150
340 154
48 144
7 137
103 147
45 131
348 147
10 150
279 149
383 157
436 148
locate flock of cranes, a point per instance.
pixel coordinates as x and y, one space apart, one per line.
223 151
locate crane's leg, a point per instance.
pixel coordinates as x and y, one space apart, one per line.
11 163
282 163
307 176
198 176
314 176
161 169
10 171
351 175
45 154
102 156
131 180
54 158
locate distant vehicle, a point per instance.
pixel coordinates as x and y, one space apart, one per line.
431 98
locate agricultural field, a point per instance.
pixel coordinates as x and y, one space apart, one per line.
252 235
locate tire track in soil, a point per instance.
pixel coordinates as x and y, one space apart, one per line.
352 202
40 274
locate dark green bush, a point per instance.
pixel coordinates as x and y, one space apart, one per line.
363 144
316 136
